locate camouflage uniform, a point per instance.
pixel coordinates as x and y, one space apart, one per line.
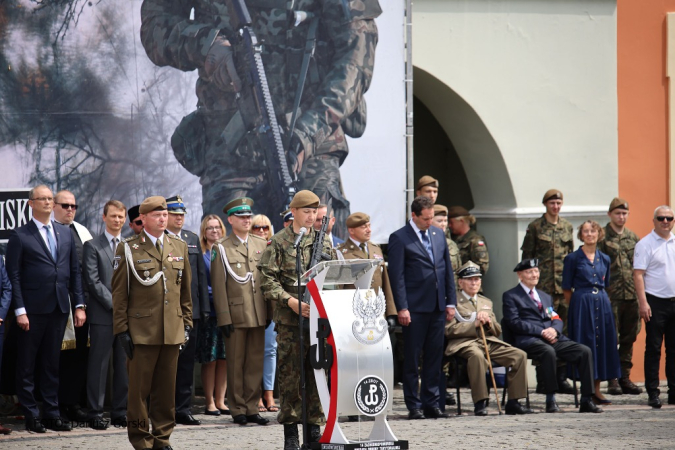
455 258
332 107
277 269
620 248
550 244
472 247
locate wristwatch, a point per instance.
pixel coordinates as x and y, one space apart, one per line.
82 307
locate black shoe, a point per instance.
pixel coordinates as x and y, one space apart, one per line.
240 419
552 407
257 418
120 422
514 407
187 419
57 424
35 425
480 408
450 399
97 423
564 387
212 413
416 414
628 387
74 413
224 411
314 433
600 401
291 439
435 413
613 387
654 400
587 406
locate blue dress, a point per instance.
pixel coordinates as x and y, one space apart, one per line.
590 320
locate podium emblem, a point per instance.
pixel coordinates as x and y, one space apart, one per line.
371 395
370 326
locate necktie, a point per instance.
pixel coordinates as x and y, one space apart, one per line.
363 249
427 244
51 241
158 245
246 244
539 305
113 243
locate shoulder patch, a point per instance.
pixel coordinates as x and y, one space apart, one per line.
131 238
176 237
481 243
255 236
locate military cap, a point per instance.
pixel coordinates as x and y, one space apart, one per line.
155 203
617 203
457 211
287 215
133 213
239 207
469 270
175 205
427 180
528 263
305 199
440 210
357 219
552 194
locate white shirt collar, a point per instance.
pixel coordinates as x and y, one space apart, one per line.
154 239
656 236
414 227
40 224
110 237
357 243
243 241
527 291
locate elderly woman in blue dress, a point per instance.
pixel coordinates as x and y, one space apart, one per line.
590 320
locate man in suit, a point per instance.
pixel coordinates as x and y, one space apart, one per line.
465 340
241 310
424 292
97 275
152 318
5 301
536 328
199 290
74 352
43 267
321 211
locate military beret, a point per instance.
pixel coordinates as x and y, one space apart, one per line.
357 219
552 194
305 199
440 210
239 207
133 213
457 211
427 180
469 270
525 264
155 203
618 202
175 205
287 215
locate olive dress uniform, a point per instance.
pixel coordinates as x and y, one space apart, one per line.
243 306
155 316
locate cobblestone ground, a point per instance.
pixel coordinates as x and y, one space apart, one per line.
626 424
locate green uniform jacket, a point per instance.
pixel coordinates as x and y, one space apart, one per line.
550 244
620 249
464 334
277 270
472 247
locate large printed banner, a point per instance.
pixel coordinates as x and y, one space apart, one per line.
85 109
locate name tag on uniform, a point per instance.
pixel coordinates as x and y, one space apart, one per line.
143 261
486 307
376 256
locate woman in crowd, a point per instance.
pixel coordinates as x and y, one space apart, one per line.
590 320
262 226
210 343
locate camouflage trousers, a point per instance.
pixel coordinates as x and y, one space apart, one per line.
288 374
561 308
628 324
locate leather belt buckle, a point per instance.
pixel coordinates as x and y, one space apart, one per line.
595 290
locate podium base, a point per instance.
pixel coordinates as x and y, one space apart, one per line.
370 445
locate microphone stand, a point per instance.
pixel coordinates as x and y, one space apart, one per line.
303 383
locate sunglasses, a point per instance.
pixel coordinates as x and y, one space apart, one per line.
68 206
261 227
138 222
666 218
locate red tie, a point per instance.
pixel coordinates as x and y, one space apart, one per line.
539 305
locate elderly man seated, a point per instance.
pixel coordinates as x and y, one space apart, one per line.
465 341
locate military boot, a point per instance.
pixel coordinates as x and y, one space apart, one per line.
314 433
613 387
291 440
628 387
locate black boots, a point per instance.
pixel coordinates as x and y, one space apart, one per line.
291 439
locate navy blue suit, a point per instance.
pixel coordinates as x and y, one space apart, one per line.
425 288
5 300
41 286
523 322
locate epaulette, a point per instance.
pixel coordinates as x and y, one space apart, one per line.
257 237
176 237
131 238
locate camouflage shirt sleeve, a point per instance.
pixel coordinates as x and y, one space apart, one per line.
529 241
270 273
170 38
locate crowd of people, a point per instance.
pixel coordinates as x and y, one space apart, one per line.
166 298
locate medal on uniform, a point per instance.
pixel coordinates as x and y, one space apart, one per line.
238 265
180 277
146 274
170 258
135 246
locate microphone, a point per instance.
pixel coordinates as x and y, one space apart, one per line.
302 232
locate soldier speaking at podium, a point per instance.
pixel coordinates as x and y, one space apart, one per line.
278 276
152 317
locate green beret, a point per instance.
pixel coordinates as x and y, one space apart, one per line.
457 211
617 203
156 203
469 270
440 210
305 199
357 219
427 180
552 194
239 207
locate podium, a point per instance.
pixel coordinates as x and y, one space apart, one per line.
349 340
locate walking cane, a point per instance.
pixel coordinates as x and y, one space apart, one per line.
492 374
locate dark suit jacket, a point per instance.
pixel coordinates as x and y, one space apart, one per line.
5 294
337 241
39 283
97 273
522 317
199 288
418 284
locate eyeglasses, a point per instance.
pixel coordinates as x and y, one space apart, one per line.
138 222
666 218
67 206
261 227
43 199
216 228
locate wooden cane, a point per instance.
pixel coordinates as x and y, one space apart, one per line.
492 374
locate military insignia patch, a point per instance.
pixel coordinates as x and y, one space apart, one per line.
116 264
146 274
178 258
169 258
239 267
370 326
135 246
481 243
143 261
376 256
